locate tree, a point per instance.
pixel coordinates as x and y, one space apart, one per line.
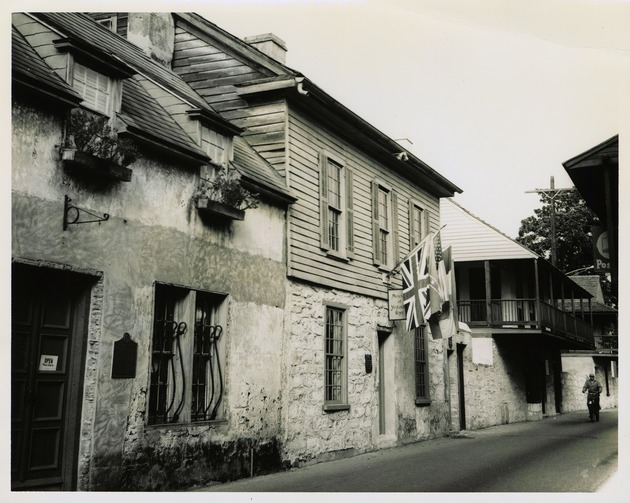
573 222
573 235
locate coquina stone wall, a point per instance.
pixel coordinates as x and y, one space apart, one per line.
312 434
575 371
494 384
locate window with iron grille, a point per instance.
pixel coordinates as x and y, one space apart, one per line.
335 371
187 356
422 366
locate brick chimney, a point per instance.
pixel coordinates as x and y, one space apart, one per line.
270 44
154 33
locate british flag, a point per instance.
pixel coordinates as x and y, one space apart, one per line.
421 291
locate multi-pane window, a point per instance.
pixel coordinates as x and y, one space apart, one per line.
421 365
187 356
416 220
94 87
384 225
335 355
336 207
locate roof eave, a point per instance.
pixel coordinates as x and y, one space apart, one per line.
298 88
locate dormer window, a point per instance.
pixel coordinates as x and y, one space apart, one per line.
94 87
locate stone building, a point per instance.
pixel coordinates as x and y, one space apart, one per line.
145 353
353 381
515 305
180 340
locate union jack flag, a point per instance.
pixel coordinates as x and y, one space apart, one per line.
422 296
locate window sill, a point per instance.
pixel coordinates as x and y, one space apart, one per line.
423 402
337 256
196 424
336 407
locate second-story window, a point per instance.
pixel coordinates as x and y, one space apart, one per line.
384 225
336 207
418 222
94 87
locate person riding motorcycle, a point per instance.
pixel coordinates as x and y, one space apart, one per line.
594 389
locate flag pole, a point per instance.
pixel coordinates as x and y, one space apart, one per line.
397 266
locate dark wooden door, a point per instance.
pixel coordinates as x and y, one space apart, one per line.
47 336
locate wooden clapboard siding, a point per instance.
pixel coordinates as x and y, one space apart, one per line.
473 239
206 66
307 261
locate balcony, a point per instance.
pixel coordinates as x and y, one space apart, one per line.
525 314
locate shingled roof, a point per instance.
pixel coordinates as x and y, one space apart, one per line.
29 70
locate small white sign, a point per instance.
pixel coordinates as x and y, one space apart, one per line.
48 363
396 305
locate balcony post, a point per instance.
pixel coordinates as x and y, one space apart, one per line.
486 266
537 292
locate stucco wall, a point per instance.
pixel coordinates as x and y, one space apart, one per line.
312 434
575 371
155 234
495 389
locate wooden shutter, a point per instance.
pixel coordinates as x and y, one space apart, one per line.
425 223
412 230
349 214
394 231
324 237
376 238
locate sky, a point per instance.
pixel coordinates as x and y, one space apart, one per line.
493 94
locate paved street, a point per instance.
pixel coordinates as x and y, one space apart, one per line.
565 453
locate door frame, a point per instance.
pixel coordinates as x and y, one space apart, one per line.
81 294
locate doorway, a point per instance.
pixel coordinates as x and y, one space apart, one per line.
48 334
386 385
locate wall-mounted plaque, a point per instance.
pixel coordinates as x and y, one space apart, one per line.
124 360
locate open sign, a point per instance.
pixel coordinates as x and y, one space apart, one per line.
48 363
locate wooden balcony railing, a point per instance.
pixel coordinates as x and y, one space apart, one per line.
522 313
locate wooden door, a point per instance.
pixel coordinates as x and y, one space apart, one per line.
47 334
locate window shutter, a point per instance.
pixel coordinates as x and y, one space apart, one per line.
376 239
395 233
324 241
412 234
349 213
425 223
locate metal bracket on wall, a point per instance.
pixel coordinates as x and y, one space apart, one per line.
72 214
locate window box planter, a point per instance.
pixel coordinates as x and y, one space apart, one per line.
208 206
78 161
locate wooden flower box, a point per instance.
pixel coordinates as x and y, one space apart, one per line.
78 161
208 206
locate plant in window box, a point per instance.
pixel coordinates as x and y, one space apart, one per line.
92 144
224 195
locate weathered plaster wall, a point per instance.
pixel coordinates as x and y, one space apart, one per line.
312 434
155 234
494 391
575 371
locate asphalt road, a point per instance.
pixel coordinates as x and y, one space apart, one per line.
565 453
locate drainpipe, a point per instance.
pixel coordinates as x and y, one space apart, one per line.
537 287
300 86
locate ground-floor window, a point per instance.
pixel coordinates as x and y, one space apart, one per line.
187 356
421 366
336 354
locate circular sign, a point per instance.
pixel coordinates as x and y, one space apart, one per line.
602 244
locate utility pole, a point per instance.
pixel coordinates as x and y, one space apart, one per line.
551 193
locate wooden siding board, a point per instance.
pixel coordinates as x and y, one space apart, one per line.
307 260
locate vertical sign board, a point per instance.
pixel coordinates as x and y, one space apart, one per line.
601 255
396 305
